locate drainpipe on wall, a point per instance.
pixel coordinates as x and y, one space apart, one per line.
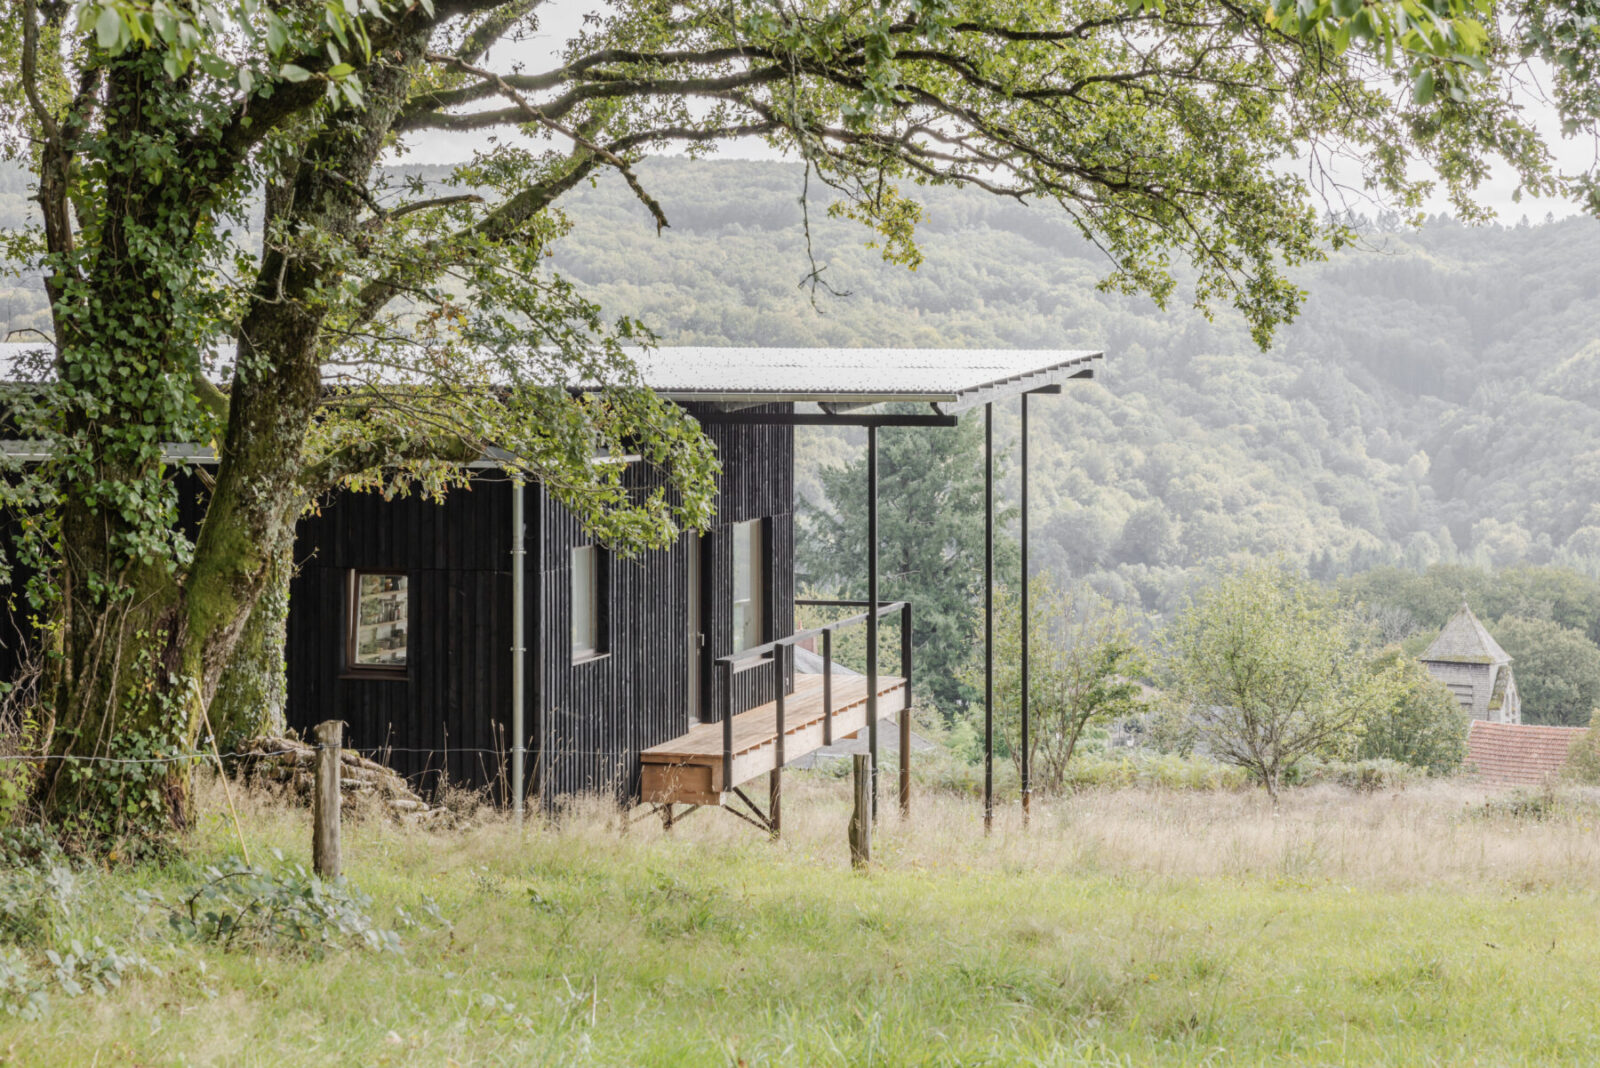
519 651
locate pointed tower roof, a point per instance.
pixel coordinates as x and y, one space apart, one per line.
1464 641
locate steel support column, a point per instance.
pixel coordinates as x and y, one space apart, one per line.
1027 695
519 650
872 609
988 618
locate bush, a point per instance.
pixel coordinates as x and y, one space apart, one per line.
38 889
1362 776
1583 759
1422 724
41 894
244 907
1165 771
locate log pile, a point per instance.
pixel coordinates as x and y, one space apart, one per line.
285 766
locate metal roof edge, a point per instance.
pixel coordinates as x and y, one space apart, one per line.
1056 374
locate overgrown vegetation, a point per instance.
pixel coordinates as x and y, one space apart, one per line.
1268 669
1149 926
70 929
1084 668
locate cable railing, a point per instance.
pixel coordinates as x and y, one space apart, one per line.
776 655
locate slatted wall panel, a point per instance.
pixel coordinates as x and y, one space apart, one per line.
601 713
451 712
758 483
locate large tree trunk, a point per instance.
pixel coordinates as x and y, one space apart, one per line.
253 695
118 688
144 640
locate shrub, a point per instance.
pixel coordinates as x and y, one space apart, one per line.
1583 759
1165 771
41 894
1363 776
246 907
1421 724
38 888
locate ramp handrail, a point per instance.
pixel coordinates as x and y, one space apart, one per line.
773 653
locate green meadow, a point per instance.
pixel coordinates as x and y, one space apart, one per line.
1136 927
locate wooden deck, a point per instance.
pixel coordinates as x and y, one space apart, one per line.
688 769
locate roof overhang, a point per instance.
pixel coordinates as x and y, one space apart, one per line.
844 384
842 381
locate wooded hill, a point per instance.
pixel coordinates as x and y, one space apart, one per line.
1436 401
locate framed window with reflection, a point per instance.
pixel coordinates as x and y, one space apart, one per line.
588 602
749 584
379 614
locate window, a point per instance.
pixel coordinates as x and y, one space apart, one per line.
379 622
749 593
588 602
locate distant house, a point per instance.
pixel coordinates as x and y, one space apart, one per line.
1467 659
1515 754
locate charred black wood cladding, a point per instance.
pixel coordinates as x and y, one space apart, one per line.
600 712
451 711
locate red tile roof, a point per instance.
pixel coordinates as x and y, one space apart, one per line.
1507 754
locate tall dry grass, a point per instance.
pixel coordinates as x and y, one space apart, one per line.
1444 834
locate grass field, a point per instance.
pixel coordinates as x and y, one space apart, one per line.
1128 927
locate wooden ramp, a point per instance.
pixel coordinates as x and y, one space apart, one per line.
688 769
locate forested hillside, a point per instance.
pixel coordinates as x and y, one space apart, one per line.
1435 402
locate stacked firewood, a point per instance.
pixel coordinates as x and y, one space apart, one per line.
285 766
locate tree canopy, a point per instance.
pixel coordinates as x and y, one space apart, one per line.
930 527
1269 669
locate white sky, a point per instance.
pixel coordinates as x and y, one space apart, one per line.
562 18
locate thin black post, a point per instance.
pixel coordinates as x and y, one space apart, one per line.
827 685
1027 695
775 784
727 726
905 711
872 609
988 617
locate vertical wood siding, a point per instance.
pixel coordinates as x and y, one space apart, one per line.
451 712
599 713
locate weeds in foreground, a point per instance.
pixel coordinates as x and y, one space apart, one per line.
1126 926
68 930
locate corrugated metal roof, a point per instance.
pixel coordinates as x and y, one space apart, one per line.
1464 641
952 379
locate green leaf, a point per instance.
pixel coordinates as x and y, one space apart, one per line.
1422 88
293 73
108 29
341 70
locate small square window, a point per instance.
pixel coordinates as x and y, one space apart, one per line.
379 613
588 602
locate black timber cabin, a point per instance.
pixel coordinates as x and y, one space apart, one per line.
653 677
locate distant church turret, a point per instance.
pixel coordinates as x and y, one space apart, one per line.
1468 660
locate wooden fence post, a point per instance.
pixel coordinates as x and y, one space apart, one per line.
861 818
325 799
